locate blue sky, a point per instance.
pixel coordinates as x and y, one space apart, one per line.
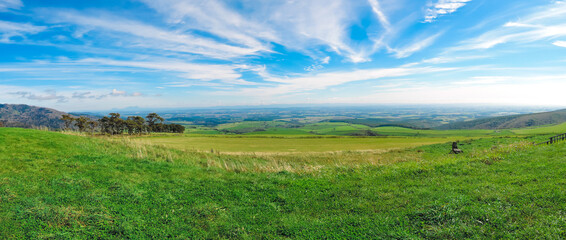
104 54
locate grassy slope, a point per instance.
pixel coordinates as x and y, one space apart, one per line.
513 121
58 186
400 131
552 129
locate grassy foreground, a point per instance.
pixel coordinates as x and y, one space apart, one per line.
61 186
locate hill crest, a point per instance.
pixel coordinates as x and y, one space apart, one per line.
26 116
511 121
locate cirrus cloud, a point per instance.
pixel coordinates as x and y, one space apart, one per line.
6 5
443 7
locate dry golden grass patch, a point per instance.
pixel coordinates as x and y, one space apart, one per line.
267 162
295 162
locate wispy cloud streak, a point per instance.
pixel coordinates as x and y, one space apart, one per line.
415 46
443 7
147 36
49 95
286 85
305 26
9 30
376 8
6 5
214 17
546 23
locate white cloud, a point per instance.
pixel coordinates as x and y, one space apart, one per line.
451 59
212 16
82 95
52 95
376 8
545 23
386 38
217 29
9 30
416 46
443 7
483 80
226 74
117 93
531 90
380 38
99 96
46 96
138 34
90 100
306 26
560 43
301 84
5 5
318 66
72 70
314 67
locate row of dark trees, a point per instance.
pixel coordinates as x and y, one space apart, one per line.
114 124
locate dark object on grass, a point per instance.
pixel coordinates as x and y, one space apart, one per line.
455 149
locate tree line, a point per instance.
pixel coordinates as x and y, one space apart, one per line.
113 124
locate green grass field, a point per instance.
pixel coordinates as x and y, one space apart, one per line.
251 124
279 128
325 137
57 186
280 132
553 129
332 128
293 144
399 131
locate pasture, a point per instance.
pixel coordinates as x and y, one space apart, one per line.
60 186
549 129
321 129
285 145
277 137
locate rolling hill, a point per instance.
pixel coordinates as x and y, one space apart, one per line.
25 116
57 186
512 121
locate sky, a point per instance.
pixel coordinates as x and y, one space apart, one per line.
111 54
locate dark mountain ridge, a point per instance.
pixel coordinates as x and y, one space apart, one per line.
25 116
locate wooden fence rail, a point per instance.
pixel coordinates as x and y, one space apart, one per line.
554 139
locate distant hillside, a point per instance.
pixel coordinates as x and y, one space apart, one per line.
382 122
19 115
513 121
